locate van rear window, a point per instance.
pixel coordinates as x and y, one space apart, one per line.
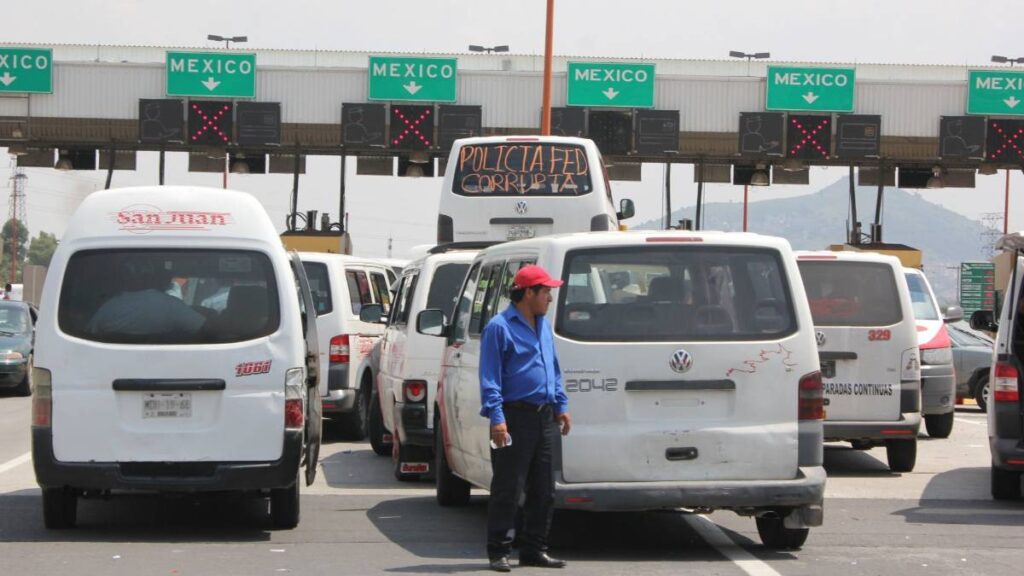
674 293
522 169
844 293
169 296
444 288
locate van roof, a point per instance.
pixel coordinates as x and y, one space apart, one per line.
644 237
1012 241
342 258
442 258
847 256
522 139
147 213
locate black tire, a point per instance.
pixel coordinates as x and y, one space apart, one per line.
939 425
1005 484
776 536
901 454
284 507
24 387
353 424
982 390
451 490
60 508
376 430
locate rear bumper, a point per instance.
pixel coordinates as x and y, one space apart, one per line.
412 425
165 477
938 388
339 401
1006 449
12 374
807 489
906 428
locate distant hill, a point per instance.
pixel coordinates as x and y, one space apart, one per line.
814 221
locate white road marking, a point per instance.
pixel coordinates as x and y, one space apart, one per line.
975 422
12 464
720 541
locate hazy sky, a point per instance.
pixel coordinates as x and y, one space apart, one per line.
890 31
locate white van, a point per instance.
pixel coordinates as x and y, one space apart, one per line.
867 344
410 362
1004 409
696 385
173 354
342 286
938 373
499 188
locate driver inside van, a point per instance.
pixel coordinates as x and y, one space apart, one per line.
144 308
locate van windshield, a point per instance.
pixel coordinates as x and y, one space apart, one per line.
444 288
843 293
522 169
670 293
924 305
169 296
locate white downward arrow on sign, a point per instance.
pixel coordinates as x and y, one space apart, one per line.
412 88
810 97
610 93
211 84
1012 101
7 79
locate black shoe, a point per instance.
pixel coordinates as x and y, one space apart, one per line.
540 560
500 564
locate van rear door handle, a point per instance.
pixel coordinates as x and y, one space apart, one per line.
680 454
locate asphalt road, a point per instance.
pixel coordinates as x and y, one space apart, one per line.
358 520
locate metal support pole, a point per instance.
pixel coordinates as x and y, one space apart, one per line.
745 187
668 195
1006 205
341 204
295 179
699 220
881 191
545 115
227 164
162 165
110 168
853 205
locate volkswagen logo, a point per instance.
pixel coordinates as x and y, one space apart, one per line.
681 361
819 337
521 207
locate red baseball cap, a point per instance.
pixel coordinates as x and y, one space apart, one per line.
533 275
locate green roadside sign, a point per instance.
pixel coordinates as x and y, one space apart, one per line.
211 74
810 89
413 79
977 287
995 92
615 84
26 70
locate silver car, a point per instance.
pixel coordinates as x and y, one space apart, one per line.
972 357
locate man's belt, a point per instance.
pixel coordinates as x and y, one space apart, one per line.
520 405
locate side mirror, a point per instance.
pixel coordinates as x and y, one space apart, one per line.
431 323
984 320
953 314
372 313
626 209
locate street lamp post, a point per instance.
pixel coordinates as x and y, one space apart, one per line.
549 32
488 49
1006 199
749 57
227 40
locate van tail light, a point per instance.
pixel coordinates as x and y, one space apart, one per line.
42 398
339 349
812 397
294 388
1005 388
414 390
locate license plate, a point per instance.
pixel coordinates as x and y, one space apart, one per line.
520 232
167 405
828 369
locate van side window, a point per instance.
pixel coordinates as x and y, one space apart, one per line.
403 304
506 283
320 286
381 293
463 311
399 293
485 291
358 289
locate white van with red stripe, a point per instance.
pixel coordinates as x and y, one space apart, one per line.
690 366
174 353
867 344
938 373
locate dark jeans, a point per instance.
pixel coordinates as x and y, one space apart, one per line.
525 466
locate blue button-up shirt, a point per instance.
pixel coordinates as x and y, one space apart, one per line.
518 364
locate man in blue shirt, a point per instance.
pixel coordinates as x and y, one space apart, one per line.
521 393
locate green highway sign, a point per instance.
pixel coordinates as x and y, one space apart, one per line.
415 79
610 84
977 287
995 92
810 89
26 70
211 74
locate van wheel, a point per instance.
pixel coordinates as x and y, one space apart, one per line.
451 490
939 425
376 430
1005 484
25 386
776 536
284 507
60 508
982 390
902 455
353 424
